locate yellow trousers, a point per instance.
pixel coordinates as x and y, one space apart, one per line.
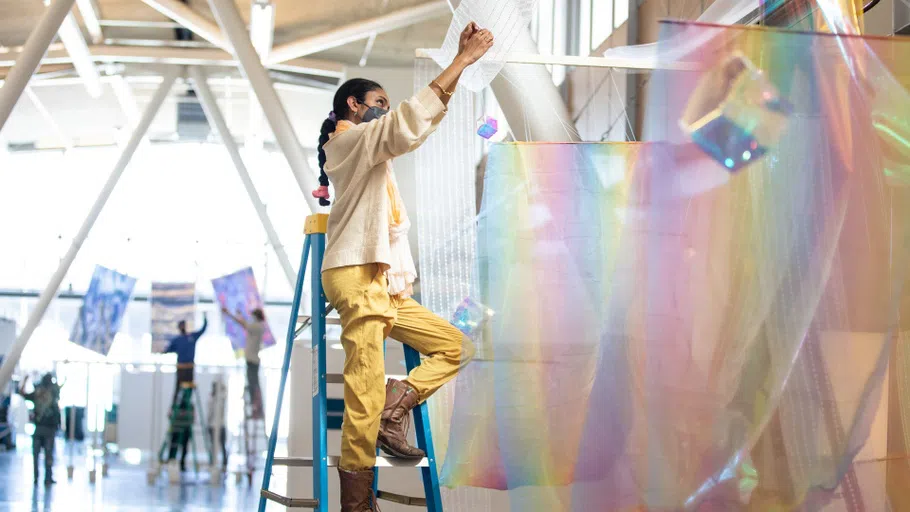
369 315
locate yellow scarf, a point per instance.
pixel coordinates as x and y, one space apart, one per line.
397 212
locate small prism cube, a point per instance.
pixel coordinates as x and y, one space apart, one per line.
740 127
488 128
470 316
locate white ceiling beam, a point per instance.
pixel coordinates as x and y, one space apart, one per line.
81 57
89 12
179 56
45 113
357 31
192 20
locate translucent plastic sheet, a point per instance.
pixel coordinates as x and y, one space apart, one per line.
506 19
801 14
672 336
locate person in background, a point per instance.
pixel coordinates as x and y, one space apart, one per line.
184 346
368 272
46 417
255 329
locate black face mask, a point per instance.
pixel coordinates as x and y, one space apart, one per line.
374 113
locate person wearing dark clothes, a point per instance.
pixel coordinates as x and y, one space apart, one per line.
46 416
181 430
184 346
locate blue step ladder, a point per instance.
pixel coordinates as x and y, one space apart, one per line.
327 412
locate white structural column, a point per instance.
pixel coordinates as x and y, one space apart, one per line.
34 49
232 24
359 30
44 300
530 101
216 119
195 22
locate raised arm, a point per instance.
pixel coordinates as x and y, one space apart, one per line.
205 324
238 318
405 128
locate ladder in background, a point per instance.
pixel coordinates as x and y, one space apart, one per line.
182 420
327 413
253 430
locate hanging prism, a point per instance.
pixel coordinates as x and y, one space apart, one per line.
736 114
488 128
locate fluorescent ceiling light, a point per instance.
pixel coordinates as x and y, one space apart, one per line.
262 25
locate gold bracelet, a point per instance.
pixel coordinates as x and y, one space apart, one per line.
447 93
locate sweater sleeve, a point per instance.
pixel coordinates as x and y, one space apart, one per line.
403 129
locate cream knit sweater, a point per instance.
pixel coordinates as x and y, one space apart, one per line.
356 163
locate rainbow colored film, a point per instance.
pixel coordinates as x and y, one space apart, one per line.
673 336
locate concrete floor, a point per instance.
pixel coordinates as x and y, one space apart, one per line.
125 489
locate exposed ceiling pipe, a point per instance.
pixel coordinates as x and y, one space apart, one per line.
139 24
89 12
78 50
358 30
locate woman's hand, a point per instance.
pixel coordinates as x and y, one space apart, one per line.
465 35
475 46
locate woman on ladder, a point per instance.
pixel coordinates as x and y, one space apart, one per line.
368 271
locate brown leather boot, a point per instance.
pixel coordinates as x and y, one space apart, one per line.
400 398
357 491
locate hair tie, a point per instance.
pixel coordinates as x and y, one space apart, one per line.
322 193
332 116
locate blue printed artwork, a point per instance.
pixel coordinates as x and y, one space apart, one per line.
102 310
238 292
171 303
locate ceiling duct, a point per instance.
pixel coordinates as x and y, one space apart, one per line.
192 125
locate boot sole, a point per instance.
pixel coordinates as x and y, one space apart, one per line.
388 450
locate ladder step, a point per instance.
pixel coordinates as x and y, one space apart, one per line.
329 320
337 378
401 499
333 460
289 502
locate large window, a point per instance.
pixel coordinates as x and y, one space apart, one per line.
549 30
598 19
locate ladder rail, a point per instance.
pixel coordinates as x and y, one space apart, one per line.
425 441
285 366
207 441
319 414
315 243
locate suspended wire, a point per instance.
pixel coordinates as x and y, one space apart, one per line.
584 107
625 108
